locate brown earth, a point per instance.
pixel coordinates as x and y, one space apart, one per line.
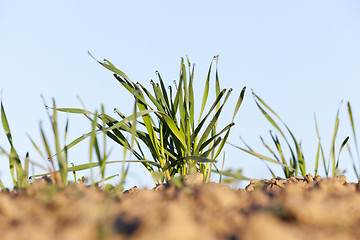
309 208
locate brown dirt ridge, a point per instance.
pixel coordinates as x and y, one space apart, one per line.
295 208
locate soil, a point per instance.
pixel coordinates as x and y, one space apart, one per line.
308 208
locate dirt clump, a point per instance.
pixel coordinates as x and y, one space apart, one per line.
295 208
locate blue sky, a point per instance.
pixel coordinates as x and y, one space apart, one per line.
301 57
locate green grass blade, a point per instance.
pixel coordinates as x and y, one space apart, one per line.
5 124
107 64
341 147
262 157
206 92
352 127
332 148
353 162
240 100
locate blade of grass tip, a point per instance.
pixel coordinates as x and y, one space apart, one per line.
107 64
5 124
72 110
353 129
341 147
74 172
352 159
26 167
164 92
217 81
332 148
66 129
240 99
191 98
206 91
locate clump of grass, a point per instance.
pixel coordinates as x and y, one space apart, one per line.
332 154
19 173
58 162
295 163
178 143
355 168
291 165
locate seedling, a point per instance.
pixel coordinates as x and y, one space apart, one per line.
177 143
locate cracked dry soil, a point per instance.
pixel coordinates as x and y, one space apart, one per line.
309 208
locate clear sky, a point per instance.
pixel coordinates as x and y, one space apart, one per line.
301 57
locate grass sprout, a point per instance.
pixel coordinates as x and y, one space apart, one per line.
333 160
18 172
291 165
164 124
355 168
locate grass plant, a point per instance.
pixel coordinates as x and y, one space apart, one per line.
356 167
292 165
333 160
178 143
19 173
295 163
58 162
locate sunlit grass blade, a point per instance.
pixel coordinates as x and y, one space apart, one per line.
332 148
206 92
353 162
107 64
318 148
240 100
355 139
263 157
341 147
300 158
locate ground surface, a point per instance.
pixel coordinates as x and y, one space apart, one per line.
271 209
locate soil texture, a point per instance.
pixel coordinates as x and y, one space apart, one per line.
307 208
